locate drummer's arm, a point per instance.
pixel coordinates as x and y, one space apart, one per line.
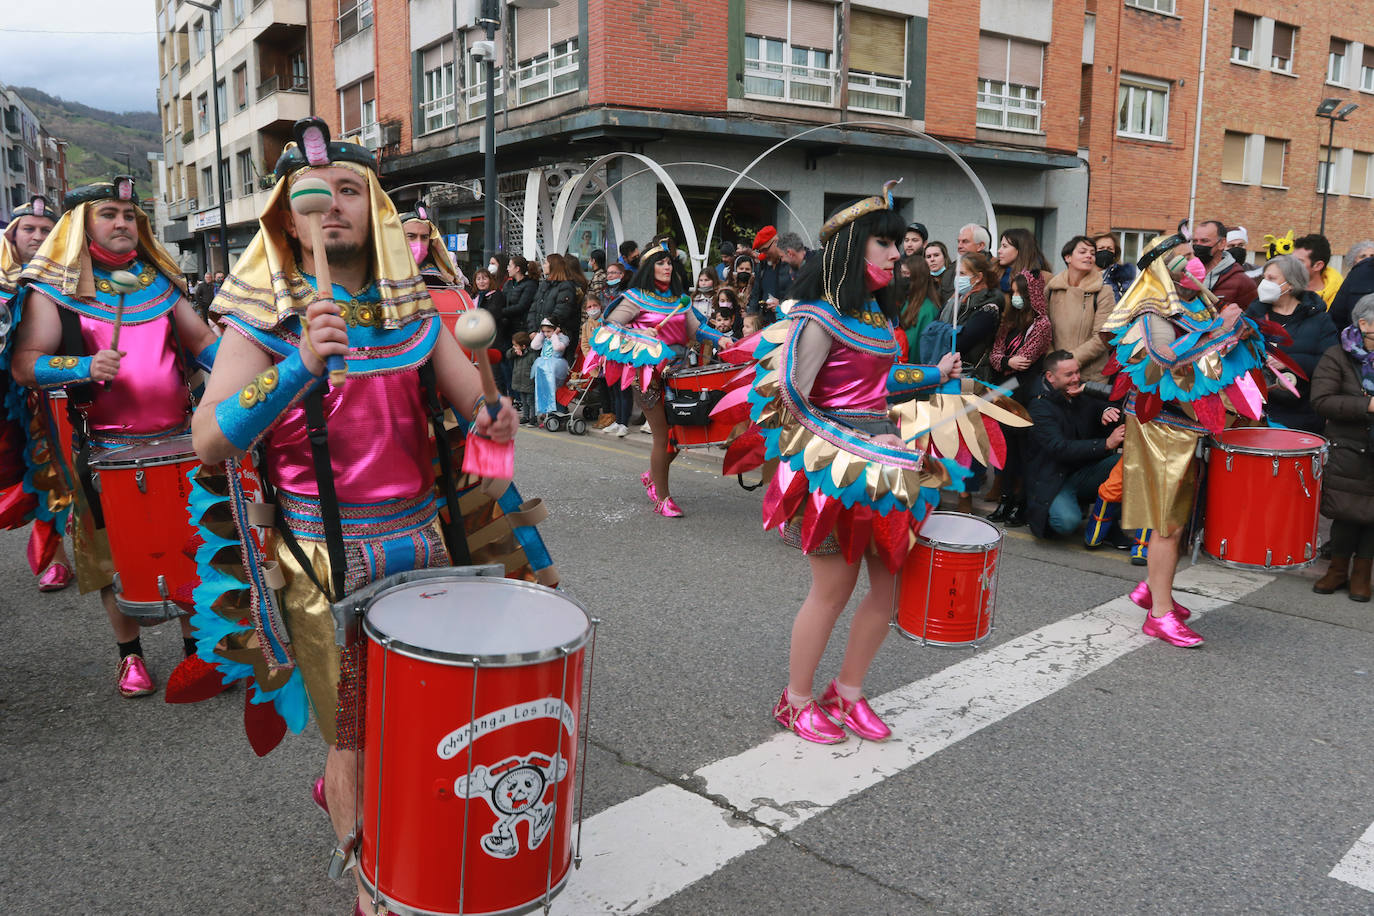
461 385
238 364
194 334
36 363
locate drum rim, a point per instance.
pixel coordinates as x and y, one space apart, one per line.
504 660
110 459
1273 452
401 909
708 369
963 548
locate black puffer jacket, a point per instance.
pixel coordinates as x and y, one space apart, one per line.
1066 434
519 300
1313 334
1348 479
556 301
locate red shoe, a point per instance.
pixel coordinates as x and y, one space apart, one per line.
1142 597
55 578
858 716
648 480
1172 630
667 508
808 722
134 679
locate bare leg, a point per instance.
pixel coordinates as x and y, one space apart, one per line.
341 791
832 582
125 627
659 456
872 620
1162 564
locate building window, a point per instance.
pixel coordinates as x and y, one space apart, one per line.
1142 108
1367 69
1233 157
199 30
225 181
1157 6
354 17
546 53
207 188
436 101
877 62
357 107
1243 38
221 102
1275 151
1281 58
1326 178
241 87
1335 61
247 180
299 79
1133 242
236 10
1009 73
1361 175
789 48
203 111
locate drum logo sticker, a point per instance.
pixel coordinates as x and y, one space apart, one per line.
548 708
515 790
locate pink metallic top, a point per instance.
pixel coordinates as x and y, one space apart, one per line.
149 394
672 329
844 379
378 442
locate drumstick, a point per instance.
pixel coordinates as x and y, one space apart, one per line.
312 198
123 283
476 330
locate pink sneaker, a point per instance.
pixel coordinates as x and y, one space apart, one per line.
55 578
667 508
1142 597
648 480
1172 630
317 794
808 722
858 716
134 679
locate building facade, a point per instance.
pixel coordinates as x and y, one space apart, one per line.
257 80
32 161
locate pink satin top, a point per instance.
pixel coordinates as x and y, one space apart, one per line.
852 380
379 443
149 393
672 329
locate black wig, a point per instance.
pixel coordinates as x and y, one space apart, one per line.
838 275
644 276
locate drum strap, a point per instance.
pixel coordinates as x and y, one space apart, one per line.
318 431
288 536
454 532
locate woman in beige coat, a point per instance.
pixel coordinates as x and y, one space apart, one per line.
1079 302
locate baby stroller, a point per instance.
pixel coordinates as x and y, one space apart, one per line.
570 398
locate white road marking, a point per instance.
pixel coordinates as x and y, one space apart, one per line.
644 850
1357 867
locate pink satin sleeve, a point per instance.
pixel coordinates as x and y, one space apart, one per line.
149 393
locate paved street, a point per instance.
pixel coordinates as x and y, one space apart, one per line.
1071 766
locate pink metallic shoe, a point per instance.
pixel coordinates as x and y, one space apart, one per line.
317 794
55 578
134 679
1142 597
1172 630
808 722
648 480
667 508
858 716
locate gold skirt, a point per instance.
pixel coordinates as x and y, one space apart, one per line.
1158 475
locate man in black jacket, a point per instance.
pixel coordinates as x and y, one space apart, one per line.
1074 442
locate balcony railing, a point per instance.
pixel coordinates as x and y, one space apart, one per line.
436 114
877 93
475 96
805 85
1005 106
275 83
180 208
547 77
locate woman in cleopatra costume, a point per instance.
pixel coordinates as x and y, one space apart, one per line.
645 334
851 485
35 485
124 359
349 470
1185 370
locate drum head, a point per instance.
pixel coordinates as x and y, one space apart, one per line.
496 621
147 454
1263 440
956 531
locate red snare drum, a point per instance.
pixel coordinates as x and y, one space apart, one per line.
689 395
474 695
1264 489
948 590
144 491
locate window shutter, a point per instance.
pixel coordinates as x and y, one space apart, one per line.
1274 149
1369 56
1243 31
992 58
1233 157
1359 173
878 43
368 89
1283 41
766 17
352 108
1338 46
563 24
813 25
1026 58
531 33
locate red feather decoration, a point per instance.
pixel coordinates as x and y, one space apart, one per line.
1147 406
892 536
1121 386
262 723
1211 413
192 681
819 520
996 441
745 453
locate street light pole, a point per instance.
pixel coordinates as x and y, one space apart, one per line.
219 145
1326 178
491 10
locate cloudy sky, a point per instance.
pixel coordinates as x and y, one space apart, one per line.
109 62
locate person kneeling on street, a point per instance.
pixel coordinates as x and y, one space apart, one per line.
1074 441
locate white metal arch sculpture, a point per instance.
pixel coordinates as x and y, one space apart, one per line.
565 201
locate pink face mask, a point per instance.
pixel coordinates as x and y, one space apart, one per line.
419 249
875 278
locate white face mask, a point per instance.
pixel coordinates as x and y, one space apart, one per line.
1017 302
1269 291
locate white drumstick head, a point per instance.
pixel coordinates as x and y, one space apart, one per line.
123 281
311 195
475 329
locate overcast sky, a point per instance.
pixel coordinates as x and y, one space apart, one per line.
111 62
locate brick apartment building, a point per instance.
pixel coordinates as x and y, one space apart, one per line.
32 161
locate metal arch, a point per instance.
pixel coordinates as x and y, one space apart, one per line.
606 189
977 185
455 184
573 192
611 209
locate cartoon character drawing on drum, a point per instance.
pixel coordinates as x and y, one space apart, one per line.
515 789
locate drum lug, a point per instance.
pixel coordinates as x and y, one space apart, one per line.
95 481
1229 458
1268 558
1307 551
341 856
1276 467
1222 551
118 586
140 481
162 588
1303 481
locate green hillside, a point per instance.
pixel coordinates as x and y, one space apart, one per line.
100 142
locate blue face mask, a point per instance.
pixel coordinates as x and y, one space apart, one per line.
937 273
962 283
1017 302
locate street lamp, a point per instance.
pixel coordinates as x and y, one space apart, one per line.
212 9
1327 110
